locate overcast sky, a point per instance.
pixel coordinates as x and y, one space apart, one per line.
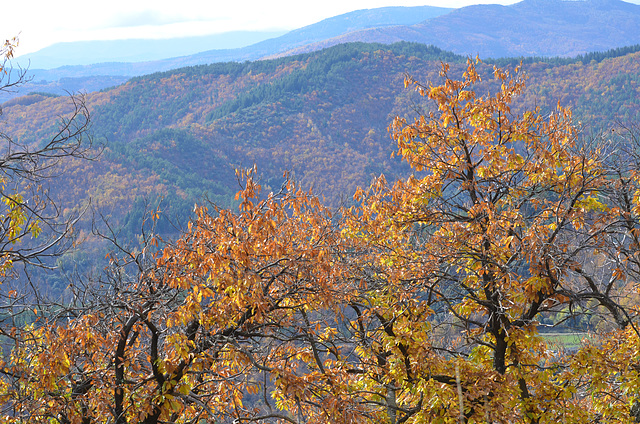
43 22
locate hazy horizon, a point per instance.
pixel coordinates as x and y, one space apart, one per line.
46 23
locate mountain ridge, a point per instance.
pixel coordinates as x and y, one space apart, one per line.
81 53
486 30
347 22
527 28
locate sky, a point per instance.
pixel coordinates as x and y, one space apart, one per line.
40 23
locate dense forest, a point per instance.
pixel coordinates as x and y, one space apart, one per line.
323 116
174 139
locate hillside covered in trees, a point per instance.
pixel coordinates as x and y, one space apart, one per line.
324 116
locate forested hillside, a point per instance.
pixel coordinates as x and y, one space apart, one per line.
324 116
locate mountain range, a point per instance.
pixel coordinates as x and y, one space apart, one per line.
529 28
80 53
545 28
171 53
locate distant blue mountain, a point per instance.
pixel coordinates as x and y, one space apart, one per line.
138 50
116 62
528 28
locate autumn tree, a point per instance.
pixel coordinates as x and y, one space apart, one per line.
32 229
495 227
609 295
239 320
